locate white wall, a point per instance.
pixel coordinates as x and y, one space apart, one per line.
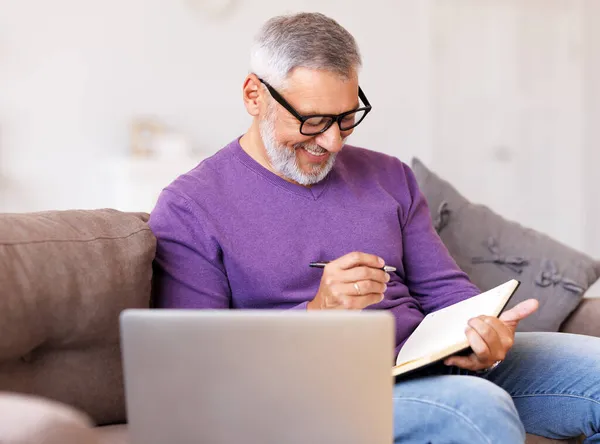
508 108
498 95
592 127
72 74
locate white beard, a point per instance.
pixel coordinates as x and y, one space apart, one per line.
283 159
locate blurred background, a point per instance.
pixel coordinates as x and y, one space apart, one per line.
103 103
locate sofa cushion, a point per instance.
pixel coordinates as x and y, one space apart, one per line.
33 420
66 276
492 250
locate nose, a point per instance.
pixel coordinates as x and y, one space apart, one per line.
331 139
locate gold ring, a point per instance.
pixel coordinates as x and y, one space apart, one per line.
357 289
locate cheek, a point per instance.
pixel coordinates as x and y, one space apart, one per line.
345 134
287 132
291 138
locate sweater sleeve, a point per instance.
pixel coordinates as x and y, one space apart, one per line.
431 274
188 267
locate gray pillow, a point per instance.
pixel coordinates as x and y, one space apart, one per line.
492 250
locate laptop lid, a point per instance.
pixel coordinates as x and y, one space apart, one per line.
232 376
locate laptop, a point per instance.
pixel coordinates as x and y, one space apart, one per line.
264 376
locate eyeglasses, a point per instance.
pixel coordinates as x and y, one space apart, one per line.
319 123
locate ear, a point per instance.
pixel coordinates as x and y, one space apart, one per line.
253 95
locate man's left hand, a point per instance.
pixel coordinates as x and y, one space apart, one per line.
491 338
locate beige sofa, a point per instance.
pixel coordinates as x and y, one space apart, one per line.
64 279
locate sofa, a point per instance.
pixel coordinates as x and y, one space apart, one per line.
64 278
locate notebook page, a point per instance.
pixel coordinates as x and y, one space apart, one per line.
446 327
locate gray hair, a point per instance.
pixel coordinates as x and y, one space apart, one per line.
307 40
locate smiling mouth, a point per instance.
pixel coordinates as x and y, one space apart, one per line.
315 150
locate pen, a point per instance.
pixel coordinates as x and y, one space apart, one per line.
386 268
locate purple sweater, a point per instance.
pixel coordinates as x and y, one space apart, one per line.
231 234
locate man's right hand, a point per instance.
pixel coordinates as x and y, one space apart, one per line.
353 281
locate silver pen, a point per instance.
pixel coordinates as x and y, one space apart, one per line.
386 268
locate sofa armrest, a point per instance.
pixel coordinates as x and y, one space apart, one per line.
585 320
27 420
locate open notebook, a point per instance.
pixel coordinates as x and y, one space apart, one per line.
442 333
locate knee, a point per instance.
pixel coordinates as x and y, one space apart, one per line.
489 403
460 408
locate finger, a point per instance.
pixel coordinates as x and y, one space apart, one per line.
519 312
362 273
360 302
497 325
495 347
467 362
357 258
478 345
364 288
505 334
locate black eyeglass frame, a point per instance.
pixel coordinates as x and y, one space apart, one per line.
334 117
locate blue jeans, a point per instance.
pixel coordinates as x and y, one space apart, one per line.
548 385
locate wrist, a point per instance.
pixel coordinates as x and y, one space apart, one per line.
488 369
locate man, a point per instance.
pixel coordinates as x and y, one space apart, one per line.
239 232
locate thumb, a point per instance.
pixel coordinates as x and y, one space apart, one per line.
519 311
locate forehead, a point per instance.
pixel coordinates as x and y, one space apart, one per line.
312 91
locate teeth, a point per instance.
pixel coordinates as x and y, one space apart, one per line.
315 153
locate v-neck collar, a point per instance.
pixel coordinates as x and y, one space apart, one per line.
314 192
